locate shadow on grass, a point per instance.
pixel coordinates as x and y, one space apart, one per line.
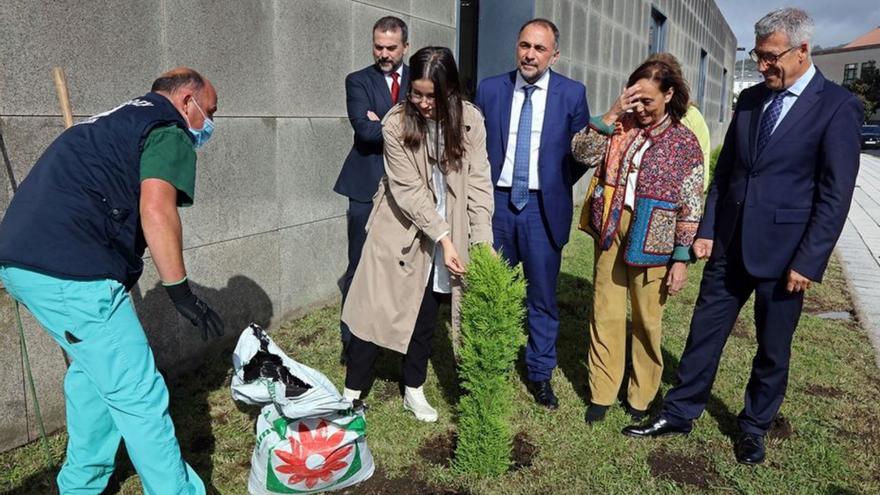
40 483
575 296
240 303
575 300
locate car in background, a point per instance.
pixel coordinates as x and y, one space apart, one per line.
870 136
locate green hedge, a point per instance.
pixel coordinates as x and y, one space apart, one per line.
492 315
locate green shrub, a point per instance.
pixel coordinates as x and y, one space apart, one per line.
492 314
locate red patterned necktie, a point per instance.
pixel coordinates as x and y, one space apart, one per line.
395 87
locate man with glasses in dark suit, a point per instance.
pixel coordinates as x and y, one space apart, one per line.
778 202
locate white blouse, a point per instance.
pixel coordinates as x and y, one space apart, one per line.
442 283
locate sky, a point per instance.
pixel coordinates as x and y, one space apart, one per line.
837 21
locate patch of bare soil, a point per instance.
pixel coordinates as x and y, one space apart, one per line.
683 469
780 429
440 450
823 391
524 451
381 484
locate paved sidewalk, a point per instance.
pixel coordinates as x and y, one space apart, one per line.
859 247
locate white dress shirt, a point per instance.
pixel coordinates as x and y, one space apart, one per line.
539 104
793 93
632 178
389 80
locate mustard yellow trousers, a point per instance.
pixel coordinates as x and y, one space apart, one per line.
646 287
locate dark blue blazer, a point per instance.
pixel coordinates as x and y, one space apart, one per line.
566 113
793 198
366 90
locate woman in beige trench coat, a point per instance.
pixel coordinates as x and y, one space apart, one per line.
434 201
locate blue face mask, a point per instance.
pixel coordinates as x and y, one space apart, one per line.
204 134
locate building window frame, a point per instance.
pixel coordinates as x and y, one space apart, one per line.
868 69
849 73
656 31
701 81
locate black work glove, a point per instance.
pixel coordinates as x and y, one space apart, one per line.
195 310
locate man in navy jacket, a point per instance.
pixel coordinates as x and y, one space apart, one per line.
780 197
370 93
531 115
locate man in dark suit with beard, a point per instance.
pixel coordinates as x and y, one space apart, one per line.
531 115
370 93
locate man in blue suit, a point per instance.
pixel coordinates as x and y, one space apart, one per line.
370 93
780 197
531 115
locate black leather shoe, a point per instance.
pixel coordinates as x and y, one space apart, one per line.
544 395
595 413
658 427
749 449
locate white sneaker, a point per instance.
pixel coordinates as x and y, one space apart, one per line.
351 395
414 400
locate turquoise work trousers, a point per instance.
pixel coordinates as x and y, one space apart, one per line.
112 389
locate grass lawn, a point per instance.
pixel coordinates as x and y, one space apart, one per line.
826 441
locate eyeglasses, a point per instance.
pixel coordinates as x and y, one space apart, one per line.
418 98
768 58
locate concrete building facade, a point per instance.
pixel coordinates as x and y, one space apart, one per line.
265 239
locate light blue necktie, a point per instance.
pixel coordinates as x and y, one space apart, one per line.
519 188
768 120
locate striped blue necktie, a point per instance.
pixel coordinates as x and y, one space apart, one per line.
519 188
768 120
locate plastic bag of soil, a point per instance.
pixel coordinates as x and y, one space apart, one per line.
265 375
309 438
309 455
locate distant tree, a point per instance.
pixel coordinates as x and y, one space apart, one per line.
867 89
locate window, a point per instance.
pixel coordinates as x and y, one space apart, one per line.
722 102
868 69
849 73
701 82
657 33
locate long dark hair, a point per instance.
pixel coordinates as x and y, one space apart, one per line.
437 64
666 77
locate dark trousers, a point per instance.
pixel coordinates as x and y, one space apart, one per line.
361 355
523 236
357 214
726 286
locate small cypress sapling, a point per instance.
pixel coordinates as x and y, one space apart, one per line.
492 313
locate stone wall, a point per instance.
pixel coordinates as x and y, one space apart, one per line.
266 236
